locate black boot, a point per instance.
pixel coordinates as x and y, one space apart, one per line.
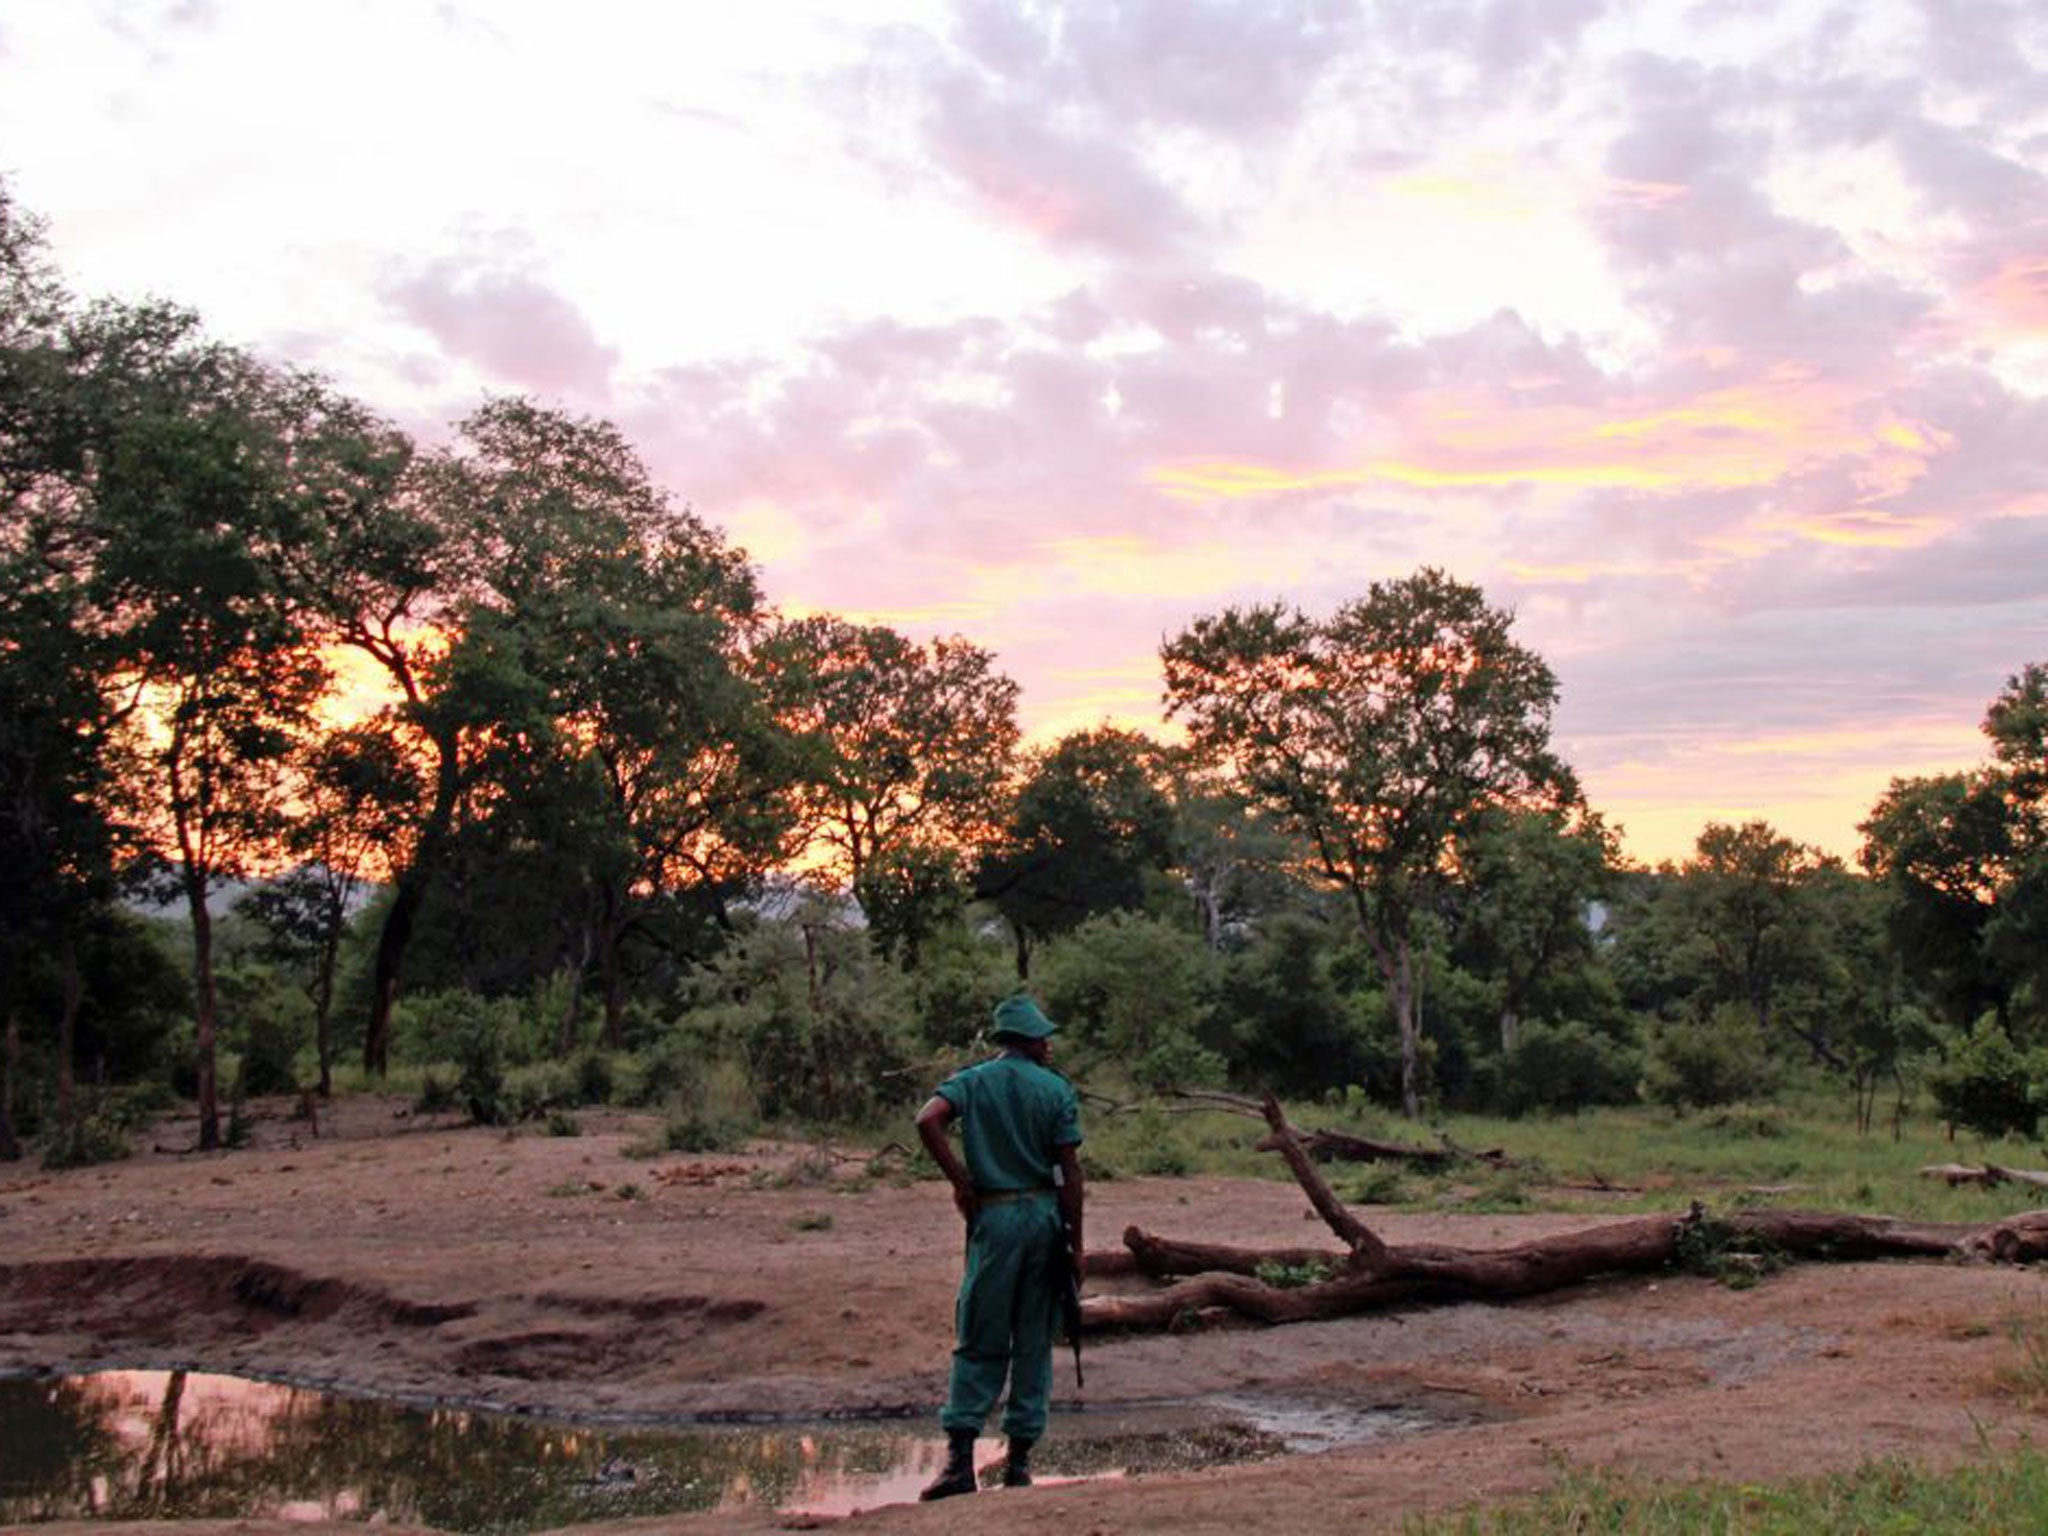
957 1476
1017 1469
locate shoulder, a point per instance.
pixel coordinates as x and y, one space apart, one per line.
1046 1081
962 1083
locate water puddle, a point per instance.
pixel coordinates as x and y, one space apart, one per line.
123 1445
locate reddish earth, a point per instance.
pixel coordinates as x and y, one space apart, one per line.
398 1255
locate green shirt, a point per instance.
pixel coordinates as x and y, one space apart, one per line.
1014 1117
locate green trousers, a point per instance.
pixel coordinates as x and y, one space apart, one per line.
1004 1319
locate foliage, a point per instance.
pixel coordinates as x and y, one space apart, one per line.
1281 1021
817 1018
1564 1068
1718 1251
1134 991
1089 822
1987 1084
908 747
1695 1063
1288 1277
1377 736
1999 1494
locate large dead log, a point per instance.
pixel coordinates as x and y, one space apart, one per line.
1224 1277
1369 1273
1343 1147
1989 1174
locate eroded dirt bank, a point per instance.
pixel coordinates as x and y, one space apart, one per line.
437 1262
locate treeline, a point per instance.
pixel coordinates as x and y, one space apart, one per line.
613 826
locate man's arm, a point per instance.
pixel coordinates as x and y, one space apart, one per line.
932 1123
1073 1198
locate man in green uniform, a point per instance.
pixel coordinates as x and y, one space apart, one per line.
1018 1186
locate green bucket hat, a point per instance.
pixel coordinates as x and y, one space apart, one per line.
1018 1015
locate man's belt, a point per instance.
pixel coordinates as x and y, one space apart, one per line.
1005 1196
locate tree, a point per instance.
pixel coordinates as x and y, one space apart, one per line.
57 841
343 789
1377 735
911 747
199 482
1232 859
1944 847
1529 880
1966 857
654 692
1088 825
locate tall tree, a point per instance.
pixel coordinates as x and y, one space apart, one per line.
1088 824
653 689
1377 735
1966 858
1528 880
201 480
912 744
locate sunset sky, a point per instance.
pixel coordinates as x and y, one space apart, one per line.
1710 336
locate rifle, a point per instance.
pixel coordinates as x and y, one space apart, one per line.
1066 1280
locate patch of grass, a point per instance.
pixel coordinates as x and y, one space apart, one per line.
1716 1250
2000 1496
2025 1377
569 1188
1288 1277
812 1221
561 1123
630 1192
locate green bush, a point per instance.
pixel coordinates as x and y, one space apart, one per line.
98 1137
597 1077
1691 1064
697 1133
1564 1067
1135 991
267 1021
438 1094
1985 1083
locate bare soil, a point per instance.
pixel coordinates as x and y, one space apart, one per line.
423 1259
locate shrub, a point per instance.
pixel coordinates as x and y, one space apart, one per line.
1564 1067
438 1094
1691 1064
98 1137
1135 990
269 1021
1985 1083
596 1077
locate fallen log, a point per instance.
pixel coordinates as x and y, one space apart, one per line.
1991 1173
1368 1273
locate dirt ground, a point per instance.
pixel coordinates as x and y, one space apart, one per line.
402 1255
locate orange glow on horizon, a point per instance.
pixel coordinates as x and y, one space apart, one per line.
1747 435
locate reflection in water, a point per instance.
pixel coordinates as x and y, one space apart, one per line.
175 1445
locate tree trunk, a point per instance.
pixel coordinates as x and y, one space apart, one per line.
323 1012
1023 951
570 1030
67 1044
411 892
204 1009
1367 1273
614 989
392 939
1342 1147
10 1062
1401 986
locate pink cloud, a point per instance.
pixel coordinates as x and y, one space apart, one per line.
516 330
